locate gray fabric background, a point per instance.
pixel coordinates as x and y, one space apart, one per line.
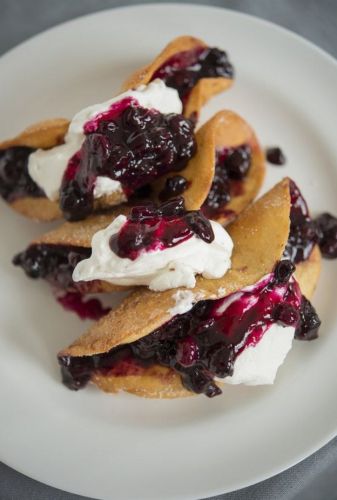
316 477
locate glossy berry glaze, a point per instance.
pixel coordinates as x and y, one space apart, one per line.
129 144
150 227
15 181
204 342
184 69
54 263
231 167
84 308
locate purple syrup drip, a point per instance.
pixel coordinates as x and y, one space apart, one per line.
85 309
202 343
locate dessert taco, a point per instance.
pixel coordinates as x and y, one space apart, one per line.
103 157
179 343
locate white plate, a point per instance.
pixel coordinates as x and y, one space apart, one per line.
121 446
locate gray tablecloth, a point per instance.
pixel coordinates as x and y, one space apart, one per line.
316 477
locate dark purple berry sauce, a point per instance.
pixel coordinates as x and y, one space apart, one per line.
85 309
150 227
129 144
327 231
303 230
54 263
204 342
15 181
174 186
231 167
184 69
275 156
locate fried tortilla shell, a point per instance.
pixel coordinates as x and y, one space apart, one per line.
201 92
255 254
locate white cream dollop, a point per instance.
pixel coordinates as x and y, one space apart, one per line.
158 269
46 167
258 365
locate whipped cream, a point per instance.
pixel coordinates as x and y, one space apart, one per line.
258 365
46 167
158 269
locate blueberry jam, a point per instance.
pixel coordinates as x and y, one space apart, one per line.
327 231
204 342
303 230
184 69
129 144
231 167
174 186
15 181
85 309
150 227
55 263
275 156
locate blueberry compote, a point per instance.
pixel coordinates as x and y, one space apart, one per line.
184 69
55 263
152 227
231 167
129 144
204 342
15 181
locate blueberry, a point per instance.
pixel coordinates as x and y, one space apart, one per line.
283 271
309 322
327 227
174 186
275 156
237 162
